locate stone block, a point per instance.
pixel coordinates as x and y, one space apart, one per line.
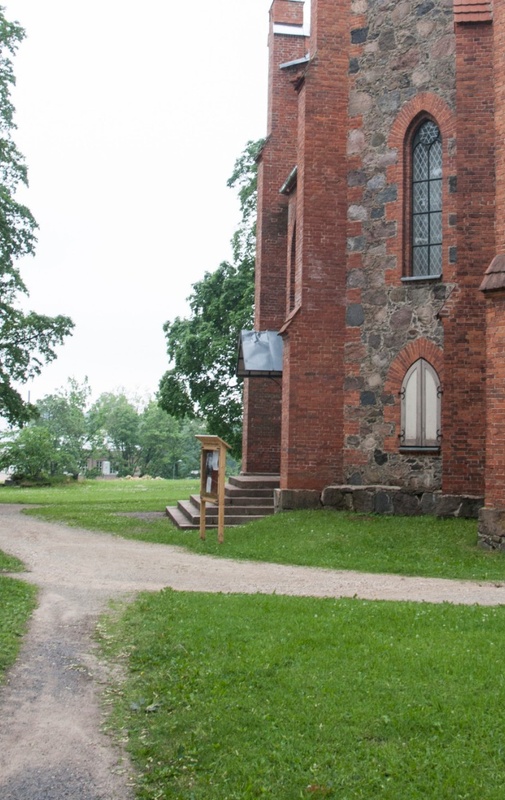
334 497
363 501
491 531
447 505
383 503
355 315
406 504
294 499
470 507
428 503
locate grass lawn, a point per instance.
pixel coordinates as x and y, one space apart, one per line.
232 697
17 600
424 546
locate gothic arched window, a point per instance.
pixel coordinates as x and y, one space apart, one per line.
420 395
427 201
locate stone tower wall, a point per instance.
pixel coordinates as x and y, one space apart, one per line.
401 66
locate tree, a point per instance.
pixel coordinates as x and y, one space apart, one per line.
168 447
63 414
203 348
59 432
29 453
113 425
27 339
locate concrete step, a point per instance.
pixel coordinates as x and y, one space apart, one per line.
192 522
180 520
247 498
255 481
191 511
246 492
259 503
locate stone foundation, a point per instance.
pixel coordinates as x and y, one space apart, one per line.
492 528
383 500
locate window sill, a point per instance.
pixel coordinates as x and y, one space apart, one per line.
420 449
421 278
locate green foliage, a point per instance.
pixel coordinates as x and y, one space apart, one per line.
114 426
54 443
245 178
30 452
63 414
239 697
66 434
17 601
27 339
203 348
168 448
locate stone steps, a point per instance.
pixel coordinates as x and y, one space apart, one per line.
247 498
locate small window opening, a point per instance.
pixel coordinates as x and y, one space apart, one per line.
427 201
421 400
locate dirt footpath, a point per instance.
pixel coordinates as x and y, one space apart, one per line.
51 743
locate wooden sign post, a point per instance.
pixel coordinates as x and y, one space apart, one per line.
212 480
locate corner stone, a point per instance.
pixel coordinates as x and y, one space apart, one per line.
492 529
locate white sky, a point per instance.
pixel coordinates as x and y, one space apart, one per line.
130 117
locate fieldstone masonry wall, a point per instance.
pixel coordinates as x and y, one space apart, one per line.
393 500
333 272
398 50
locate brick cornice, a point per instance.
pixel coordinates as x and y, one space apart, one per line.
473 11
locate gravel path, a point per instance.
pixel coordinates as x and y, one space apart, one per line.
51 744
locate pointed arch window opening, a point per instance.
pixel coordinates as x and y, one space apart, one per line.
427 201
421 395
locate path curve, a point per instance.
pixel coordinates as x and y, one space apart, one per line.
51 743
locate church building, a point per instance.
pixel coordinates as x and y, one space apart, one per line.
381 253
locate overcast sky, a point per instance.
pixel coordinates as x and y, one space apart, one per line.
130 117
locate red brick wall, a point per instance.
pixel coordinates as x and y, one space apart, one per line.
499 69
495 300
495 472
463 405
312 421
285 12
262 426
262 397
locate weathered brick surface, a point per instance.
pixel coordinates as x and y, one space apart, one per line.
312 431
495 449
262 398
464 414
499 84
492 518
